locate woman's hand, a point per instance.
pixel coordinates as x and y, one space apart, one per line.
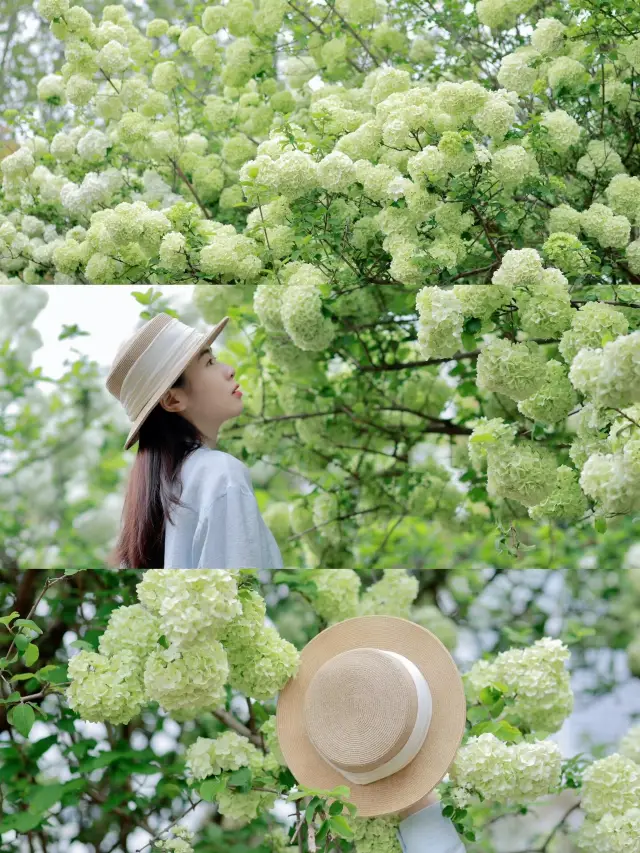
428 800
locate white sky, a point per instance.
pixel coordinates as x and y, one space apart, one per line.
108 312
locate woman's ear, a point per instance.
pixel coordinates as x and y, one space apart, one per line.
173 400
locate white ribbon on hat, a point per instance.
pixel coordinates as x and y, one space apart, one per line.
151 372
417 737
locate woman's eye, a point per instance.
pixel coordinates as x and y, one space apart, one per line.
212 360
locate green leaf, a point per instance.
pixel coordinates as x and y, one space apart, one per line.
45 796
505 731
498 708
21 822
22 718
477 714
39 747
22 676
468 341
72 331
600 525
310 809
210 787
28 623
489 695
336 808
52 673
324 828
340 826
240 779
259 713
83 645
447 811
5 620
342 791
21 642
143 298
31 655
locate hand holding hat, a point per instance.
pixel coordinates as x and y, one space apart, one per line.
377 704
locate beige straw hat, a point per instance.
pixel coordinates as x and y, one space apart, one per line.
378 705
149 362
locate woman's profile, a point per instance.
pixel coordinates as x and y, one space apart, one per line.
187 504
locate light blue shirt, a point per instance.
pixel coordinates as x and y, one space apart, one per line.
427 831
221 526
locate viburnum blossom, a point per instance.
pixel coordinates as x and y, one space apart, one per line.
610 786
629 745
536 676
193 605
106 687
503 772
392 595
338 595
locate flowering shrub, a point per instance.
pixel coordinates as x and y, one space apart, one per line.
490 180
147 678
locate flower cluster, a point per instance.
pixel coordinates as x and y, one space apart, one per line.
228 751
609 375
192 606
106 687
610 796
505 773
191 634
180 843
629 745
338 595
260 660
536 676
392 595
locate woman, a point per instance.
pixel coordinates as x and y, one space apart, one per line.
423 828
188 505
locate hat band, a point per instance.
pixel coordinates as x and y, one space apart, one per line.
416 738
151 371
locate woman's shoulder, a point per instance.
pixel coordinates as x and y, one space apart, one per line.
217 468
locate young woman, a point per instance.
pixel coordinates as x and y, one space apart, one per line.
423 829
188 505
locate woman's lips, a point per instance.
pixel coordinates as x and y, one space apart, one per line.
237 393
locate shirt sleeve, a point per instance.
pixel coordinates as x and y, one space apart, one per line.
229 534
427 831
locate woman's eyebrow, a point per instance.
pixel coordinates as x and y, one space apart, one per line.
206 351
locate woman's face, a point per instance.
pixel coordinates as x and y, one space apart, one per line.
207 399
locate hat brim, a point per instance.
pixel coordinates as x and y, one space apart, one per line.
409 785
188 356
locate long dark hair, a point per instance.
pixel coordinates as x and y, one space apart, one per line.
165 441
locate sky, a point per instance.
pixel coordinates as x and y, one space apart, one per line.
109 313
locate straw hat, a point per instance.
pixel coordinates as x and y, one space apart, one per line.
148 363
377 704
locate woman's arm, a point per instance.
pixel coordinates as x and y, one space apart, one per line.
423 829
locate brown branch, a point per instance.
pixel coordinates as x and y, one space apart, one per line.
182 175
235 724
549 838
380 368
486 232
